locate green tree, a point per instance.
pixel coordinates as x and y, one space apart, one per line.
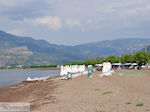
113 59
142 58
128 58
99 60
90 62
78 63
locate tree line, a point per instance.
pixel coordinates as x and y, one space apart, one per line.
141 58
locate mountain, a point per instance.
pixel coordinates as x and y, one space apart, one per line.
116 47
16 50
146 48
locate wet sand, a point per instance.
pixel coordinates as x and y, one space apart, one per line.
106 94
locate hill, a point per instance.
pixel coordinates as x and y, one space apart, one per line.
116 47
16 50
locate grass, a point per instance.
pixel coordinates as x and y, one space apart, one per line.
128 103
97 89
117 104
99 111
135 74
107 92
139 104
100 105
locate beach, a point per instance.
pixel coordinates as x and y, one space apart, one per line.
81 94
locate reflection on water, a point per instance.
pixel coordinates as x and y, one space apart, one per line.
14 76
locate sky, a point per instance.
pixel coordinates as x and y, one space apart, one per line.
73 22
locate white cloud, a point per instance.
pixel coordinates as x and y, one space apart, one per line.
73 23
41 18
17 31
14 3
98 27
6 3
53 23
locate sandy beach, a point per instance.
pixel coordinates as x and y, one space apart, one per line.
106 94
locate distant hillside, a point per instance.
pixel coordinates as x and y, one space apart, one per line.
112 47
147 48
15 50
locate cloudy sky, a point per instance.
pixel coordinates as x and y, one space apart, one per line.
72 22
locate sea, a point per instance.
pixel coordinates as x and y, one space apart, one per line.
15 76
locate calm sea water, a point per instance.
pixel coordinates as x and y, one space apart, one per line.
15 76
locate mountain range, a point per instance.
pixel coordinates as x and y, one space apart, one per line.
17 50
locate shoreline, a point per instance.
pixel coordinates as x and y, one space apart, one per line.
47 68
56 76
82 94
25 81
21 92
